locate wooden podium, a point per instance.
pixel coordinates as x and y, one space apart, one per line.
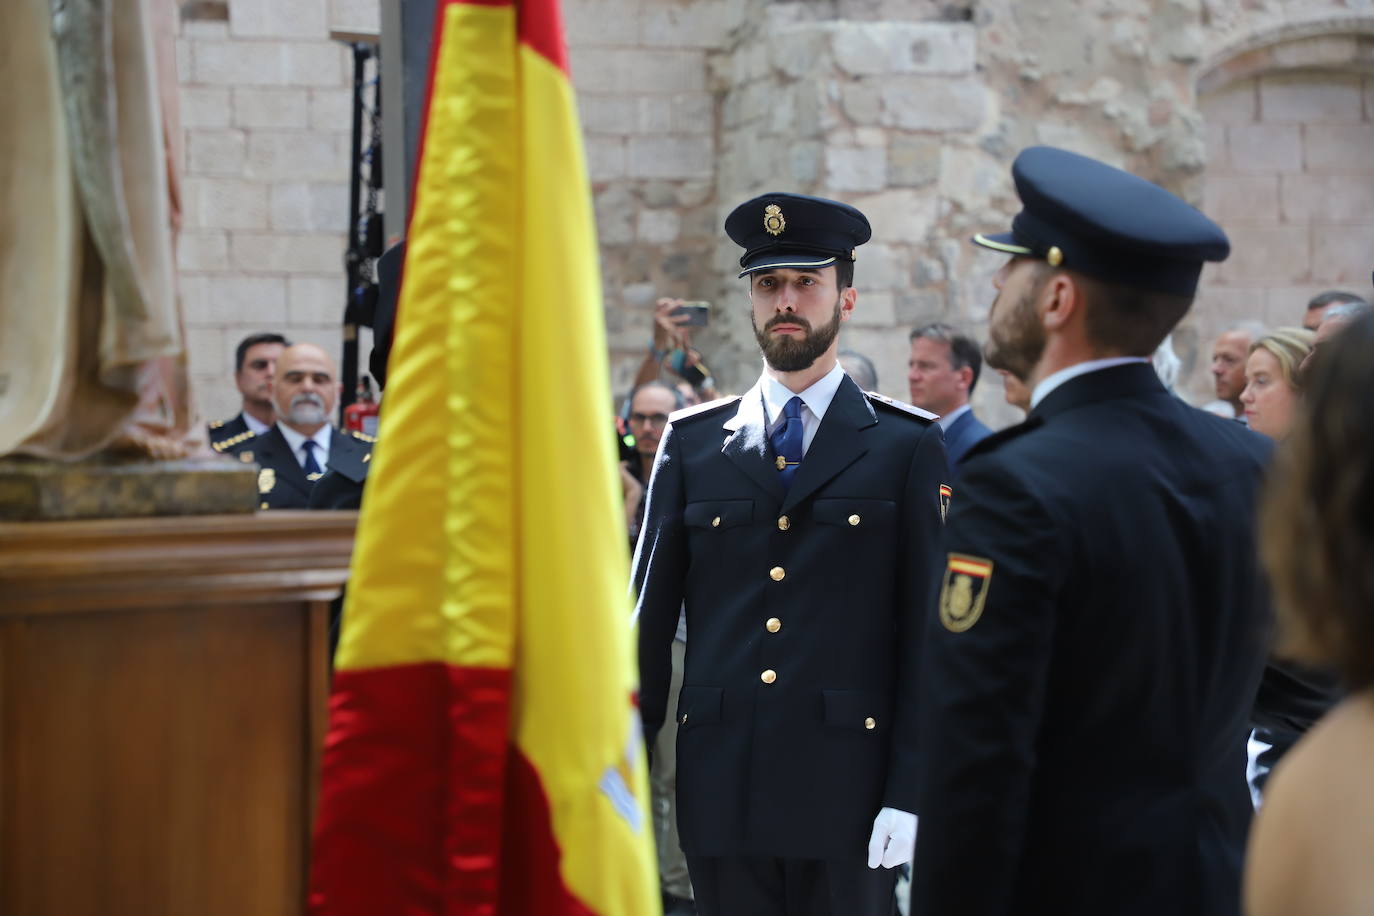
163 688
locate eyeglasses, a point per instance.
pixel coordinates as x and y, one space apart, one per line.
648 419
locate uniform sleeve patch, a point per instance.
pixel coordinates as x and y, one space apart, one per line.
946 494
964 591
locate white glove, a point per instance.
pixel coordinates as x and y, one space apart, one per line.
893 840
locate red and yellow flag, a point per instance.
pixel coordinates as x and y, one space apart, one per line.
483 753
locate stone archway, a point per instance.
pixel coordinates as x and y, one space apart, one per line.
1289 120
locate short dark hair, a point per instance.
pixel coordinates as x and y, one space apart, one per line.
1315 536
1331 297
251 341
1127 319
963 350
844 274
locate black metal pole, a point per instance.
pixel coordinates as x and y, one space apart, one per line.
353 258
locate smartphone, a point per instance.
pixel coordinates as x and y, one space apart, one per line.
698 312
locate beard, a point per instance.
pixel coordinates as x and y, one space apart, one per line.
1016 343
307 410
788 354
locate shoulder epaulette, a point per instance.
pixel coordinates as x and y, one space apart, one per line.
901 406
225 445
1002 436
701 410
362 437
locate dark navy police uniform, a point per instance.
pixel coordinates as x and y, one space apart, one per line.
282 482
1101 627
804 604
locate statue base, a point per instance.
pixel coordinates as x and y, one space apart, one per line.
39 490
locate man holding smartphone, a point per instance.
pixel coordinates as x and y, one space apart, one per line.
799 524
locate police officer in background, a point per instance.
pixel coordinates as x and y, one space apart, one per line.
799 523
1101 626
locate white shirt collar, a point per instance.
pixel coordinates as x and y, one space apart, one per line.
255 425
817 398
296 440
1051 382
948 419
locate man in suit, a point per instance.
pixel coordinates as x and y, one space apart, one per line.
799 525
941 374
1090 664
301 444
255 360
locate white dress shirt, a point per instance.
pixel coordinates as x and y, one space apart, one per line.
255 426
297 442
1051 382
815 401
948 419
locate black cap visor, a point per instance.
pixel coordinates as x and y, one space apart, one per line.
797 260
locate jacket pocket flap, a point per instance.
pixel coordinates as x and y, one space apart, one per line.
699 705
854 512
861 709
719 513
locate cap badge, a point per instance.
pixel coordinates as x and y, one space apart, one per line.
1054 256
773 222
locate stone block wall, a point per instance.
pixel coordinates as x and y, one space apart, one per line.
1257 110
266 109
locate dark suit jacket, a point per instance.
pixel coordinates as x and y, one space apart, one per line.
842 565
282 482
225 434
1085 704
962 435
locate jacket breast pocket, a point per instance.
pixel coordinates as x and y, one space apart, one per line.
857 515
718 514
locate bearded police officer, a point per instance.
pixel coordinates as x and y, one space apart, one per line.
1100 630
799 524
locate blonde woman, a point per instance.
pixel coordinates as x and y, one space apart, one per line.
1271 380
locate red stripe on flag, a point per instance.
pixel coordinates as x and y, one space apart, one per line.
541 27
412 791
531 881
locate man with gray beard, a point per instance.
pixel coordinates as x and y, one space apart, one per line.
301 445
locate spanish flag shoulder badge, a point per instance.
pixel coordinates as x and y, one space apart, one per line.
964 591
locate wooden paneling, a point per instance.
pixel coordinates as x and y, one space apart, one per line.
162 704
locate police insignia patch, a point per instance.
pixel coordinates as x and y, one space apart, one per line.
945 494
773 222
267 479
964 592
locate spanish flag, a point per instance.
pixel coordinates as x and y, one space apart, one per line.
483 753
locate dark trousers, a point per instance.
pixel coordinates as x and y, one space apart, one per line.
753 886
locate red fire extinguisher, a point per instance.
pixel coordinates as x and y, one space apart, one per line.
361 415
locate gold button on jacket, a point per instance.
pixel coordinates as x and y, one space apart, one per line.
768 676
715 522
777 573
869 723
773 624
853 520
784 523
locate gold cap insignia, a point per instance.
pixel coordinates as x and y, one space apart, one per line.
267 479
773 222
1054 256
964 592
945 495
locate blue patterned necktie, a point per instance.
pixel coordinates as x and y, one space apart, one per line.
311 465
786 440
